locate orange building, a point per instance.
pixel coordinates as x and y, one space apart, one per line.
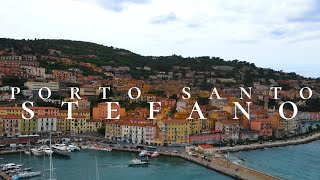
101 111
64 76
264 126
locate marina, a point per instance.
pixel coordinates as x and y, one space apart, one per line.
115 165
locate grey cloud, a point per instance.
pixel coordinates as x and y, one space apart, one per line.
118 5
164 19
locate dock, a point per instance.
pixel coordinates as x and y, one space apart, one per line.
4 176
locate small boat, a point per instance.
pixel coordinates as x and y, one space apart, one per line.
143 153
73 147
27 152
100 148
155 154
47 151
136 162
27 169
37 152
28 174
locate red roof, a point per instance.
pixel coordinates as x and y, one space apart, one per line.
205 146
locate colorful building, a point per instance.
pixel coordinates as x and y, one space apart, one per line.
229 129
11 126
93 125
28 126
101 111
264 126
173 131
205 139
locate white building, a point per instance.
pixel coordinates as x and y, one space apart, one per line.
141 133
46 124
35 86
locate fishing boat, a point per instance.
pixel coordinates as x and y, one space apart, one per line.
137 162
143 153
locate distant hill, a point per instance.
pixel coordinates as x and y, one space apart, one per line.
104 56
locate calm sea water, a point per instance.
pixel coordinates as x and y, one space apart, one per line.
114 166
291 162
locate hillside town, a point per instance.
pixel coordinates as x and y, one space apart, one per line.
171 126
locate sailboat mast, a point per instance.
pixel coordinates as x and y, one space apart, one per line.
97 170
50 159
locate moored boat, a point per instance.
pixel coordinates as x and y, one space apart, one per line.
37 152
27 174
61 149
155 154
137 162
143 153
73 147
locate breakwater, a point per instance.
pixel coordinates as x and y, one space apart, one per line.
300 140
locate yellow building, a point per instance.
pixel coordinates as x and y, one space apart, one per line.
93 125
11 126
113 130
17 111
85 113
194 124
78 125
28 127
62 125
173 131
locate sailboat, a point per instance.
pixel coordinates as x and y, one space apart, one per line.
51 169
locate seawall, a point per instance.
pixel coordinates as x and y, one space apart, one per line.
302 140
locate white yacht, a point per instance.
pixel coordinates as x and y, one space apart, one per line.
61 149
136 161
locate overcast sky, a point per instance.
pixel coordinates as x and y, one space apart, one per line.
284 35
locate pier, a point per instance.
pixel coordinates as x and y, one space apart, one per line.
217 164
4 176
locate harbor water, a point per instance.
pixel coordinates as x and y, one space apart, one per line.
291 162
114 166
